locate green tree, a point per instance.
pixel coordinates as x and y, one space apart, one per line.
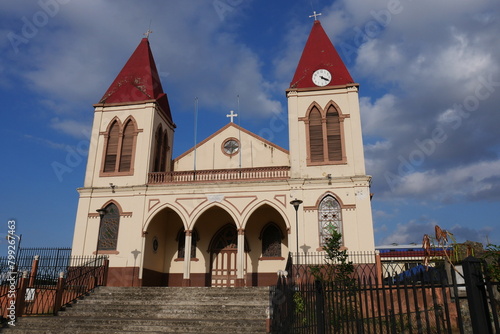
337 268
492 258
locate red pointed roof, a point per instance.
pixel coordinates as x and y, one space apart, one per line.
319 53
138 81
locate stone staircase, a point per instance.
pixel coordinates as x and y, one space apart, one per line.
157 310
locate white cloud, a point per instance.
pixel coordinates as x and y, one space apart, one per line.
71 127
377 116
426 72
414 230
410 232
458 184
75 59
46 142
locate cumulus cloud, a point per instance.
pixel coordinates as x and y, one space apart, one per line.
464 183
413 232
432 131
410 232
72 58
72 128
45 142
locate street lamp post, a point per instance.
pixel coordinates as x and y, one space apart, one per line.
101 212
296 203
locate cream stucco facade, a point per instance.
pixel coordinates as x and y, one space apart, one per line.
219 214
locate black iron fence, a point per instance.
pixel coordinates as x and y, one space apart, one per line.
395 296
47 283
45 253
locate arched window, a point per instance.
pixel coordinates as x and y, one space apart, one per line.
120 147
316 136
108 232
112 148
325 135
333 134
181 239
164 150
158 145
271 241
330 214
127 147
161 150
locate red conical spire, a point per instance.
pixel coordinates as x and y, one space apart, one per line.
138 81
319 53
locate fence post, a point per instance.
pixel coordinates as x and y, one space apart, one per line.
476 296
105 275
320 307
21 295
378 268
34 270
59 292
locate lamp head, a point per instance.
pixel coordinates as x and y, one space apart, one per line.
101 212
296 203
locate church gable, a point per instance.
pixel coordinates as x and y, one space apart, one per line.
232 147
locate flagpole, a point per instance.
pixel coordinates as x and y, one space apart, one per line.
239 126
195 130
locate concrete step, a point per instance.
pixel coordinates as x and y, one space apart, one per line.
148 326
105 325
157 310
168 311
174 292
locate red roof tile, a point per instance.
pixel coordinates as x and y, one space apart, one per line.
138 81
319 53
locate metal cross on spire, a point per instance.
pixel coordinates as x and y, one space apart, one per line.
315 15
147 33
232 115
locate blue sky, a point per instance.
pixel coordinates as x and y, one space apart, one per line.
429 79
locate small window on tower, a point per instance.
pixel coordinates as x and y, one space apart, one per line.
120 148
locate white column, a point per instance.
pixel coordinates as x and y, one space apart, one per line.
241 255
187 255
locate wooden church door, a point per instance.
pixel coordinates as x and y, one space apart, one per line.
223 257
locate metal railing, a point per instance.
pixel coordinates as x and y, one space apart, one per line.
49 283
389 297
221 175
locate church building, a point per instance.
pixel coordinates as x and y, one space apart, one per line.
229 211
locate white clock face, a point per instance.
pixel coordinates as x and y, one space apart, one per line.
321 77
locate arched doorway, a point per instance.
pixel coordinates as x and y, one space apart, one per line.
223 257
161 263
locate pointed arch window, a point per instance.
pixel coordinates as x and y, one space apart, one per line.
127 147
271 240
120 148
333 134
112 148
316 136
158 145
325 135
164 151
330 214
108 232
161 150
181 243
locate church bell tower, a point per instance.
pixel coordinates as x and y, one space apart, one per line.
323 111
326 146
133 128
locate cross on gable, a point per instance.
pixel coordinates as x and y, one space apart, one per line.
315 15
232 115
